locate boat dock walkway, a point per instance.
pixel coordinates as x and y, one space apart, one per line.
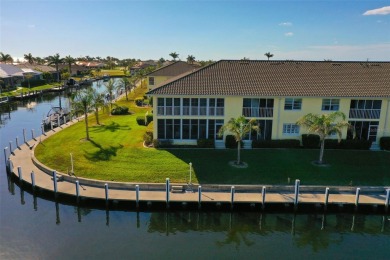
21 162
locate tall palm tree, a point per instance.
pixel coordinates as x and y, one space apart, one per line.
268 55
125 82
6 58
56 60
29 58
324 125
174 55
110 87
82 103
69 61
190 59
239 127
97 102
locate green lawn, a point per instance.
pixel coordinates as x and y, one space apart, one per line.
26 90
116 153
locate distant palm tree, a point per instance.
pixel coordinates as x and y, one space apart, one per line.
268 55
69 61
28 76
239 127
56 60
29 58
97 102
39 60
324 125
174 55
110 87
190 59
6 58
124 82
82 103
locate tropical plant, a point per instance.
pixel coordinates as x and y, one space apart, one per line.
39 60
6 58
69 61
97 103
55 60
324 125
268 55
29 58
28 76
239 127
110 87
190 59
125 82
174 55
82 102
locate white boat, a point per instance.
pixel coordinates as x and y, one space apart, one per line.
54 113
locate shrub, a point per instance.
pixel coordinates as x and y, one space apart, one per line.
162 143
284 143
205 143
120 110
34 83
230 142
355 144
139 101
149 118
310 141
148 137
140 120
385 143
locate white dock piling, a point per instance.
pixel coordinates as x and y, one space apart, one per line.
357 197
296 199
17 142
387 200
137 195
232 190
55 181
77 189
199 195
263 192
106 191
42 129
5 154
10 146
326 199
33 179
20 174
64 119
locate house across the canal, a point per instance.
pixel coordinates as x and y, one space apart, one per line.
276 94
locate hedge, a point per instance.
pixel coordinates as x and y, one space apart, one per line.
230 142
310 141
120 110
355 144
149 118
285 143
385 143
205 143
140 120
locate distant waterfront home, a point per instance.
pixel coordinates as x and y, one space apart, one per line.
276 94
174 69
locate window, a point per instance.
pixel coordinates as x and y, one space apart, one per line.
293 104
290 129
330 104
151 81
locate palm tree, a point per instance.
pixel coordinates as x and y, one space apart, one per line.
190 59
28 76
82 103
174 55
324 125
5 58
124 82
56 60
110 87
29 58
69 60
239 127
39 60
97 102
268 55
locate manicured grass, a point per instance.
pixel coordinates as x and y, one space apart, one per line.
116 153
26 90
113 73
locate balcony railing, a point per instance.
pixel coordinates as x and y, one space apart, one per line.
365 113
258 112
187 111
160 111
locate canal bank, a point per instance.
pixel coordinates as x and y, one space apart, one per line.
67 186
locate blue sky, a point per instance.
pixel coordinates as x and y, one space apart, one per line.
214 29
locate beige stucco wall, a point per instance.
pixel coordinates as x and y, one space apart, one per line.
157 81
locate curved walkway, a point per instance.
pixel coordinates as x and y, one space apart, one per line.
23 157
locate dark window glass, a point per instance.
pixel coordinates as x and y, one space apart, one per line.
194 129
169 129
161 128
377 104
177 129
202 129
186 129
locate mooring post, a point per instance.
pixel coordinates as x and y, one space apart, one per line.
64 119
17 142
24 135
263 192
296 199
10 147
55 181
167 191
5 154
357 197
20 173
232 189
33 180
199 195
326 200
58 121
387 200
77 190
137 196
9 165
106 190
32 134
42 129
51 125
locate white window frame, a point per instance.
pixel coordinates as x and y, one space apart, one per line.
150 81
330 104
293 101
291 129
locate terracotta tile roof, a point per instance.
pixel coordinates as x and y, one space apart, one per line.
174 69
284 78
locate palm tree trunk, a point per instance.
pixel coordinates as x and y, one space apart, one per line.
97 115
238 152
127 99
322 151
86 124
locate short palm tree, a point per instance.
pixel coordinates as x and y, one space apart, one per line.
239 127
29 58
6 58
97 103
124 82
82 103
190 59
324 125
69 61
110 87
268 55
174 55
55 60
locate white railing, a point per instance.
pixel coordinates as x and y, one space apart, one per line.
258 112
365 113
220 111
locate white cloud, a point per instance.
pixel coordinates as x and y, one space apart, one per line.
289 34
286 24
380 11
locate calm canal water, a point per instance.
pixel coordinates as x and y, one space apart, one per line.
35 228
